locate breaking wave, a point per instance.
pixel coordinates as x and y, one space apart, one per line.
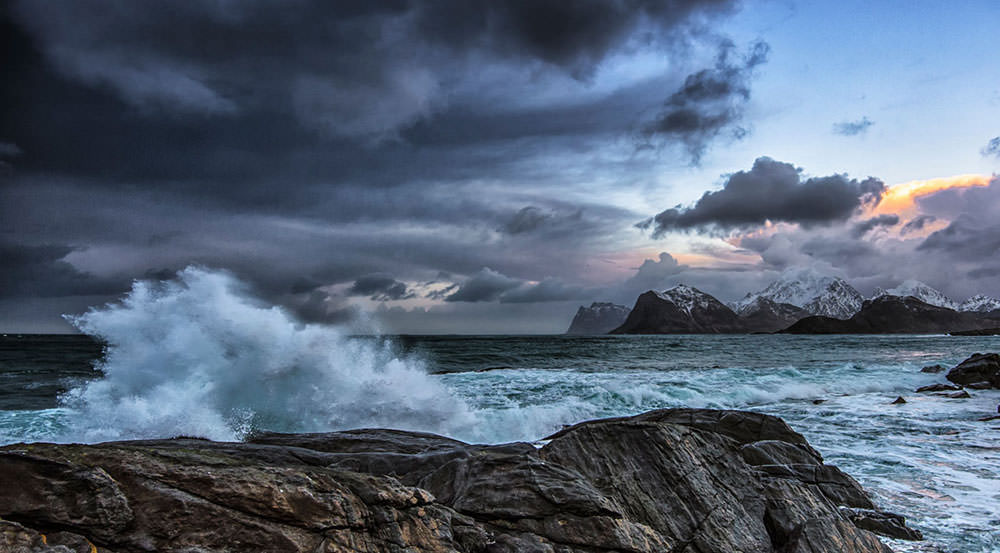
201 356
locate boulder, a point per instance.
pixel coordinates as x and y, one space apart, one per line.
938 388
684 480
934 369
980 368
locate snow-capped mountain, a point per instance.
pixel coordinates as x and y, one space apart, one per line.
599 318
816 293
919 290
680 310
764 315
687 298
980 304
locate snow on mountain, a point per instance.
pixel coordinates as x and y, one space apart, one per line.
816 293
687 297
919 290
980 304
680 310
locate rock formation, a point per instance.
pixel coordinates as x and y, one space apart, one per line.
680 480
599 318
982 370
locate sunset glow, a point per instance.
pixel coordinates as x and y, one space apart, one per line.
900 198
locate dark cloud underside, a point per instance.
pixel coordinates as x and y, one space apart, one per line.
772 191
710 102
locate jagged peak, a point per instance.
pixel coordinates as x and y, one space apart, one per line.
920 290
807 288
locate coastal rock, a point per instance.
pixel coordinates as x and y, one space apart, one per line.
599 318
899 400
938 388
981 367
934 369
680 310
886 524
684 480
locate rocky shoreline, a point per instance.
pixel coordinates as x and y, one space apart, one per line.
675 480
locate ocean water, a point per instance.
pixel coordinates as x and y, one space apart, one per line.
201 356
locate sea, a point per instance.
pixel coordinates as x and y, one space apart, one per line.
203 358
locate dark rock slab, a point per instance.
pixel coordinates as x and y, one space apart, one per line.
938 388
681 480
981 367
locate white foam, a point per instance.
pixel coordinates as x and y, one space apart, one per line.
201 356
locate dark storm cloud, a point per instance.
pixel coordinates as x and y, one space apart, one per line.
853 128
486 285
992 147
547 290
359 69
966 238
41 270
710 102
864 227
917 223
442 293
526 219
307 145
381 287
9 150
771 191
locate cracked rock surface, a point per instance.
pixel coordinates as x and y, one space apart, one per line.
674 480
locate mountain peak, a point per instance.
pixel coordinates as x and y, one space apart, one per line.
920 290
980 303
811 290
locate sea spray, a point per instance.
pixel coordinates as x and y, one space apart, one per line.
200 356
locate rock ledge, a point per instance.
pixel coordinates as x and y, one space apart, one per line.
677 480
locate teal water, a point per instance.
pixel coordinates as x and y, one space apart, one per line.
930 458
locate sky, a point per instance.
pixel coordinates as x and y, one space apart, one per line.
487 167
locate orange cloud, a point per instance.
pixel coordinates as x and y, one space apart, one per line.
901 198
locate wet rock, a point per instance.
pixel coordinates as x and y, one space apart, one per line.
981 367
962 394
886 524
938 388
934 369
816 535
689 480
898 401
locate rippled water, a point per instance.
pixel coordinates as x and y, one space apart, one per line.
930 458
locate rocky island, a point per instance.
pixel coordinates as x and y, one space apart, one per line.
679 480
